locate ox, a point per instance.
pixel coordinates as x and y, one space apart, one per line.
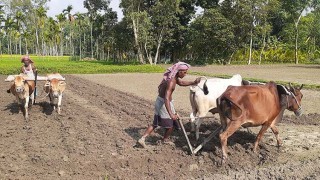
256 105
55 87
23 91
203 98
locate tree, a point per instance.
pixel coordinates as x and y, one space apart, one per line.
19 20
95 7
163 18
296 10
240 13
134 10
211 36
67 12
61 20
41 15
2 19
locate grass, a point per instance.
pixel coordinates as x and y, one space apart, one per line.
62 64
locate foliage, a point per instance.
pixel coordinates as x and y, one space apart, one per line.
211 36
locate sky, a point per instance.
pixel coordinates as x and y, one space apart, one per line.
57 6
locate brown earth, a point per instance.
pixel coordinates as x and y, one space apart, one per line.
103 116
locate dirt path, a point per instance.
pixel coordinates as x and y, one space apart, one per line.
104 115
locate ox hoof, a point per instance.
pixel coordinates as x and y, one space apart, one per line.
141 141
223 161
8 91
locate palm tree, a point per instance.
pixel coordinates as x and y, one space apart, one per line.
9 27
71 20
52 35
41 15
19 19
2 19
79 21
61 19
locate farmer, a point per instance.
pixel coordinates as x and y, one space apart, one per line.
28 67
165 114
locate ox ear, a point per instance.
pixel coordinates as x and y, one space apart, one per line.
282 89
62 83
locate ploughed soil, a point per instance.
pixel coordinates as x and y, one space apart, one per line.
104 115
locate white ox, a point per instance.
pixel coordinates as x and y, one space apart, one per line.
55 88
203 98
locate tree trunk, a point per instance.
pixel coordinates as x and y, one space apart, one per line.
91 40
80 51
158 47
296 45
250 48
262 49
20 43
37 39
136 40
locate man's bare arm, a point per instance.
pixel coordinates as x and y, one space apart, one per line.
168 97
188 83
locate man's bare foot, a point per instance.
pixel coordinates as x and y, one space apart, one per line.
141 141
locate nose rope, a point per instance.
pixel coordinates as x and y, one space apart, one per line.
294 97
296 101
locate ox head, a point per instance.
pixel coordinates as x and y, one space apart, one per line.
293 99
19 84
56 87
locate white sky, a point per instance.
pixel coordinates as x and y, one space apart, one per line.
57 6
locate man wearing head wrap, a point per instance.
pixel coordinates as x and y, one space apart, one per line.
28 67
165 114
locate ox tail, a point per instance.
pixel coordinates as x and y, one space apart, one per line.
205 88
197 87
229 109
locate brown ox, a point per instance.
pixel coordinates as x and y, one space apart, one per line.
55 88
256 105
23 91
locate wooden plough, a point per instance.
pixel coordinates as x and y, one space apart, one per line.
194 151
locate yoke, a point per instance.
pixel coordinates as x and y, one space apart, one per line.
39 78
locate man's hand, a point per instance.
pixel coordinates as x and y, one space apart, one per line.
175 117
197 81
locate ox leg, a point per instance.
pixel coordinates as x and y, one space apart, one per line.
232 127
192 121
276 133
259 136
198 123
32 98
19 104
59 103
26 105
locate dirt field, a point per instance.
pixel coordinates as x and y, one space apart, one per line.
103 116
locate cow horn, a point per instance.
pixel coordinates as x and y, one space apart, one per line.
291 87
301 87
